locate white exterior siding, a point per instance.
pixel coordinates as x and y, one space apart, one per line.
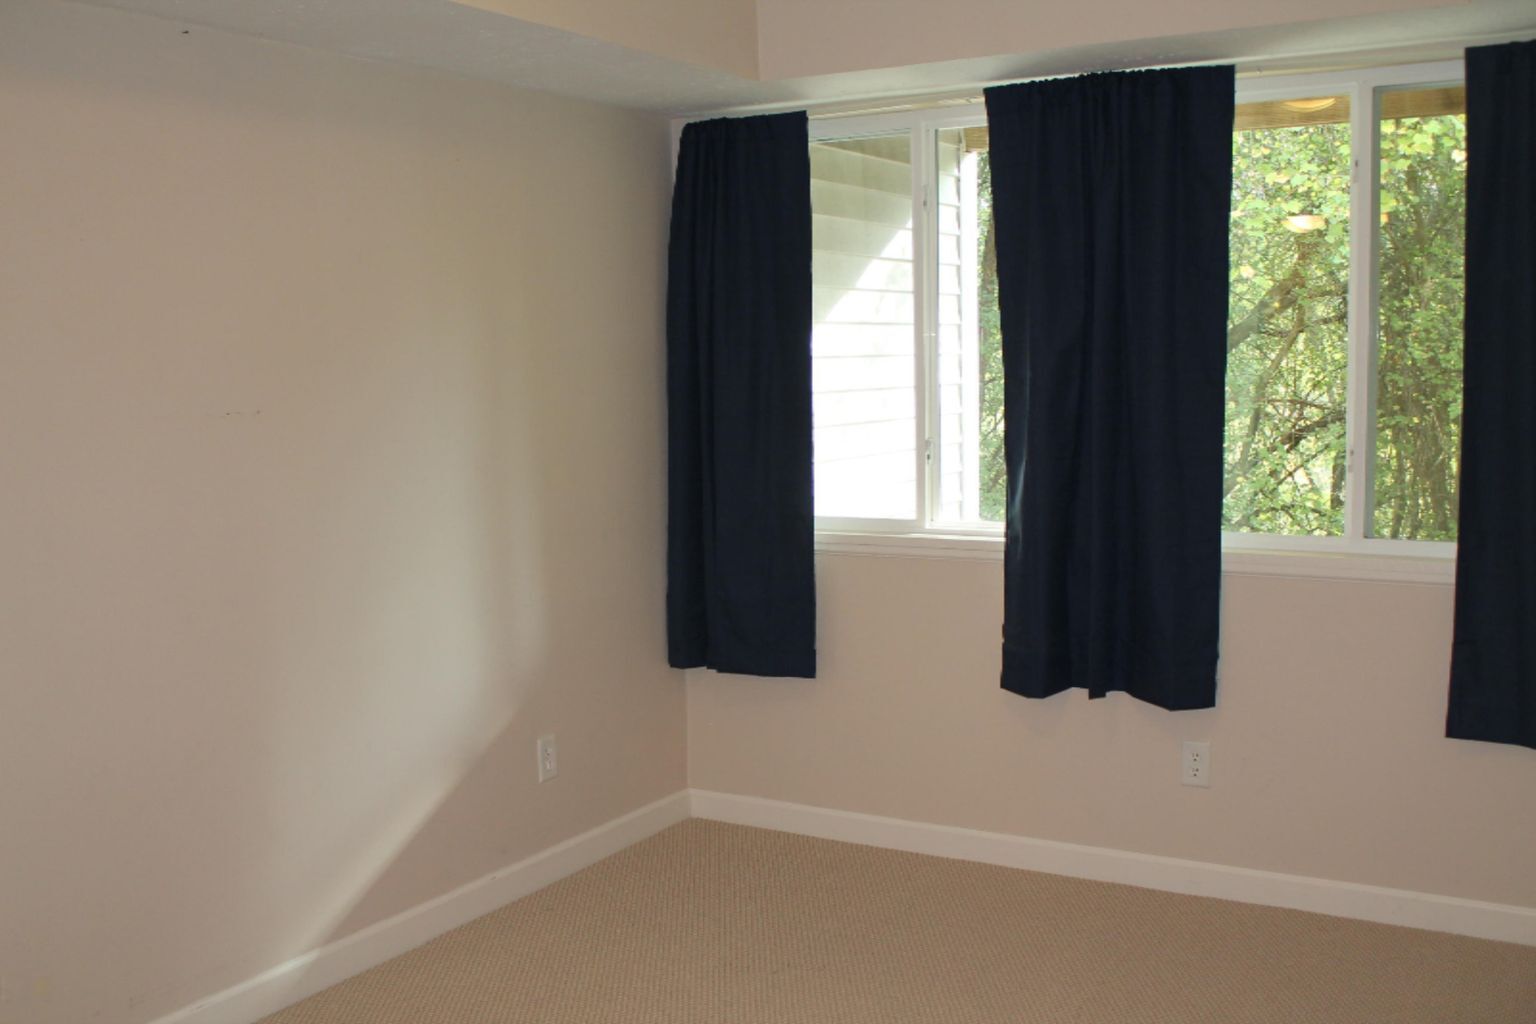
865 425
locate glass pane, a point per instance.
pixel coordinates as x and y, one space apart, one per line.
969 447
1287 334
863 382
1418 379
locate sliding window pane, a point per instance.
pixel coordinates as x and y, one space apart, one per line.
1287 334
1420 243
968 448
863 334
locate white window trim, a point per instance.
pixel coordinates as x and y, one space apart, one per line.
1352 557
1235 561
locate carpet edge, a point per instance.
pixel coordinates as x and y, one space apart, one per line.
1403 907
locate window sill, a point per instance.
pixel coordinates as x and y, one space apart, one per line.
978 547
1245 561
1438 570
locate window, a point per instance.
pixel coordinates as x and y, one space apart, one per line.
1344 337
907 371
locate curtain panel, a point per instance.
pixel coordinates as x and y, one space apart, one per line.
1111 198
740 542
1493 653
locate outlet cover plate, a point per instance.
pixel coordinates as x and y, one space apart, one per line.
549 765
1197 763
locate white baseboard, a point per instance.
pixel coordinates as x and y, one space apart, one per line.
337 961
334 962
1504 922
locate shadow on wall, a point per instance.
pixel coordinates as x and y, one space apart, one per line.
291 444
459 630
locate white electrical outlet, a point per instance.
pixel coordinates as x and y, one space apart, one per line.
1197 764
549 766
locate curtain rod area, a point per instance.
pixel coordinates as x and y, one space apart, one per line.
1268 67
1248 69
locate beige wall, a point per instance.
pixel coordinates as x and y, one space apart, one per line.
331 448
1327 751
814 37
719 34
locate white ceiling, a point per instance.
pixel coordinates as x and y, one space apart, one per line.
466 40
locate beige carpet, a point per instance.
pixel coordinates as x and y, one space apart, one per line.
722 924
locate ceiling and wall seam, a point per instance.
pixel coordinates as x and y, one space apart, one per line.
482 39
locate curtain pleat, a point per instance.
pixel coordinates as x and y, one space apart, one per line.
740 543
1111 198
1493 654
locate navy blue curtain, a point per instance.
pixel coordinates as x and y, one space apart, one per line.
740 532
1493 655
1110 197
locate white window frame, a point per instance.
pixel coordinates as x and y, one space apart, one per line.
1353 556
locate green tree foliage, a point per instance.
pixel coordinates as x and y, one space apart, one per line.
1287 336
1418 401
994 471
